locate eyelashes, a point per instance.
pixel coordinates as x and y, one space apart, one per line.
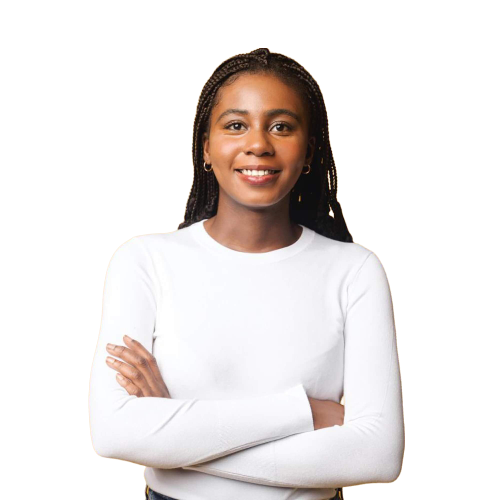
229 125
283 124
288 128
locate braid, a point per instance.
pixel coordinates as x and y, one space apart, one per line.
314 195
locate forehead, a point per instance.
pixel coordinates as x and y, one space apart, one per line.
257 92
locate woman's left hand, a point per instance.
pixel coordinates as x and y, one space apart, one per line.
140 375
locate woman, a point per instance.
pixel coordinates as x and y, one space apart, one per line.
248 324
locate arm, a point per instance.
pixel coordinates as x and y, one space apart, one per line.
163 432
369 447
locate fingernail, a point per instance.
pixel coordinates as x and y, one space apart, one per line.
110 360
120 377
127 337
111 346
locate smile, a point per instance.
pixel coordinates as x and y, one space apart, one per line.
256 173
258 177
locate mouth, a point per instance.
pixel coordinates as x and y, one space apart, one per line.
257 172
257 177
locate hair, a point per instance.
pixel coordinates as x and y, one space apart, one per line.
315 194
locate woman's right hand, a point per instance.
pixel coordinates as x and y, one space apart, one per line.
326 413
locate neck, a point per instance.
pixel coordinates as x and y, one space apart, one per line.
249 230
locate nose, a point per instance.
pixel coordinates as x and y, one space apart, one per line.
258 143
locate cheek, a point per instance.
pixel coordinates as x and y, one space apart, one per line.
223 149
291 151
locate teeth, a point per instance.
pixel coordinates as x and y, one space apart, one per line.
257 173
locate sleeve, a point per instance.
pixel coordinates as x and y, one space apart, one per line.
163 432
369 447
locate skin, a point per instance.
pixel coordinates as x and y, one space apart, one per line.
249 218
255 218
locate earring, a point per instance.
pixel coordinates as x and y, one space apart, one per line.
308 169
205 168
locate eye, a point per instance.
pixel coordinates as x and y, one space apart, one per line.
284 127
237 126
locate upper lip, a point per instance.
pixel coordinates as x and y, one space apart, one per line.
257 167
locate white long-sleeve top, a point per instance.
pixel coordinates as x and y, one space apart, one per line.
241 339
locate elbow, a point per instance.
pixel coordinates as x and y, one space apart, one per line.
392 471
110 437
392 462
392 448
102 451
380 468
102 443
108 442
105 435
111 441
110 446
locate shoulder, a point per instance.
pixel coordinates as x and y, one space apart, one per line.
149 246
340 252
351 258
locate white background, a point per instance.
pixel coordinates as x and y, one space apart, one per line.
97 105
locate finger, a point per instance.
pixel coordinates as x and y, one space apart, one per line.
130 387
136 346
138 361
130 372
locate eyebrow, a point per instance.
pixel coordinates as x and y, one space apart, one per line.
270 113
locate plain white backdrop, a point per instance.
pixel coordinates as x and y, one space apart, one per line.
97 105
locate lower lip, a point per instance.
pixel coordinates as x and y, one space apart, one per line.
260 180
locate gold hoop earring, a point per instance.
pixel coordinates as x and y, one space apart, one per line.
308 169
205 168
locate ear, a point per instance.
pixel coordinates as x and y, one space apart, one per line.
206 147
311 144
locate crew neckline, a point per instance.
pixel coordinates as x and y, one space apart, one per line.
202 236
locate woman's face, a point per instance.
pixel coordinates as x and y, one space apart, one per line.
259 121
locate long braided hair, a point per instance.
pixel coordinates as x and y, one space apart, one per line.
314 195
